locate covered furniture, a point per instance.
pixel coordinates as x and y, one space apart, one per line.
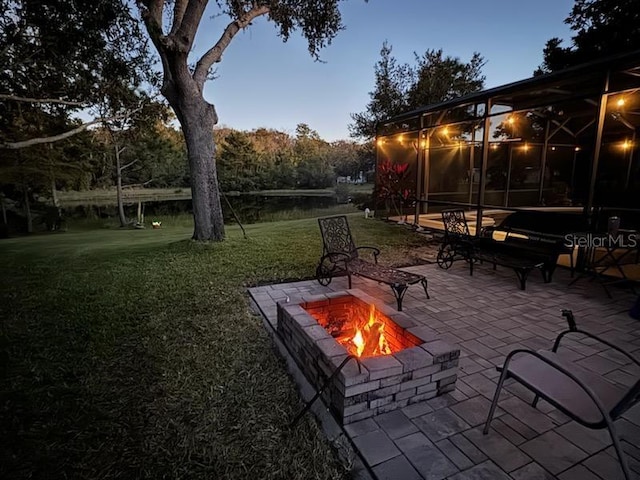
340 255
581 394
521 257
543 233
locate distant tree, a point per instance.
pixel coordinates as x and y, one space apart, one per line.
602 28
313 169
399 88
308 142
388 98
436 78
236 163
183 81
132 119
350 158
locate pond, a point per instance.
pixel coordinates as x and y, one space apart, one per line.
249 208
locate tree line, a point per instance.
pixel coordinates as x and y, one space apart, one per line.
148 150
269 159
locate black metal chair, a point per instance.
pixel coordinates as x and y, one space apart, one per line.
584 396
458 242
339 249
340 255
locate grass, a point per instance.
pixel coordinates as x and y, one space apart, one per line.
134 354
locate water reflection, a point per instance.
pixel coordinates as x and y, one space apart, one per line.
249 208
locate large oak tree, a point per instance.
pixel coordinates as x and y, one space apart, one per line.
319 21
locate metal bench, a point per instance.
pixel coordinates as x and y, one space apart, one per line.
340 255
459 244
521 266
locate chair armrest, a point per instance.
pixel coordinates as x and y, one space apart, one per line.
556 345
487 232
568 314
376 251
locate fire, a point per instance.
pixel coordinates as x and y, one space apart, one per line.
370 340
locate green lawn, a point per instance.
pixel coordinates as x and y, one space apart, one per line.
134 354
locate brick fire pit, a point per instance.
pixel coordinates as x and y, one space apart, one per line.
397 367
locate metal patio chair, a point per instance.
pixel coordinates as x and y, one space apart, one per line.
457 243
340 255
339 249
582 395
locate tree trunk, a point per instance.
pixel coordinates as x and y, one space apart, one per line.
4 209
123 217
197 118
54 192
27 209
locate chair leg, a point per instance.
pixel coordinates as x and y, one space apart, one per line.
424 285
571 264
618 446
535 401
494 404
399 291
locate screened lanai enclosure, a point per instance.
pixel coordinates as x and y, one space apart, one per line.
566 139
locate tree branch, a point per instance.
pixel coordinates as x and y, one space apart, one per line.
54 138
6 96
178 14
153 15
151 12
186 32
128 165
214 54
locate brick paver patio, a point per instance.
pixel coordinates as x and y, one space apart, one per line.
487 316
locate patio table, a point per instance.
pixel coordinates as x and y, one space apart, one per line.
615 254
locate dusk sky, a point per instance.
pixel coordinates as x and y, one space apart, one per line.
263 82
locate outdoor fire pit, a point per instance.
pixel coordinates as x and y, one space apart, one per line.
394 365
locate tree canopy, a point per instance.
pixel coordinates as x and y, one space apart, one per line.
402 87
602 28
60 57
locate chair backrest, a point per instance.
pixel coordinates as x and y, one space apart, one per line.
336 236
455 224
629 400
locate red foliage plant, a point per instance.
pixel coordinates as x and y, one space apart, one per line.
390 186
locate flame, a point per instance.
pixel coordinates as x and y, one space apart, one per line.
358 341
368 334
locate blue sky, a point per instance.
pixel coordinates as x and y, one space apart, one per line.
263 82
